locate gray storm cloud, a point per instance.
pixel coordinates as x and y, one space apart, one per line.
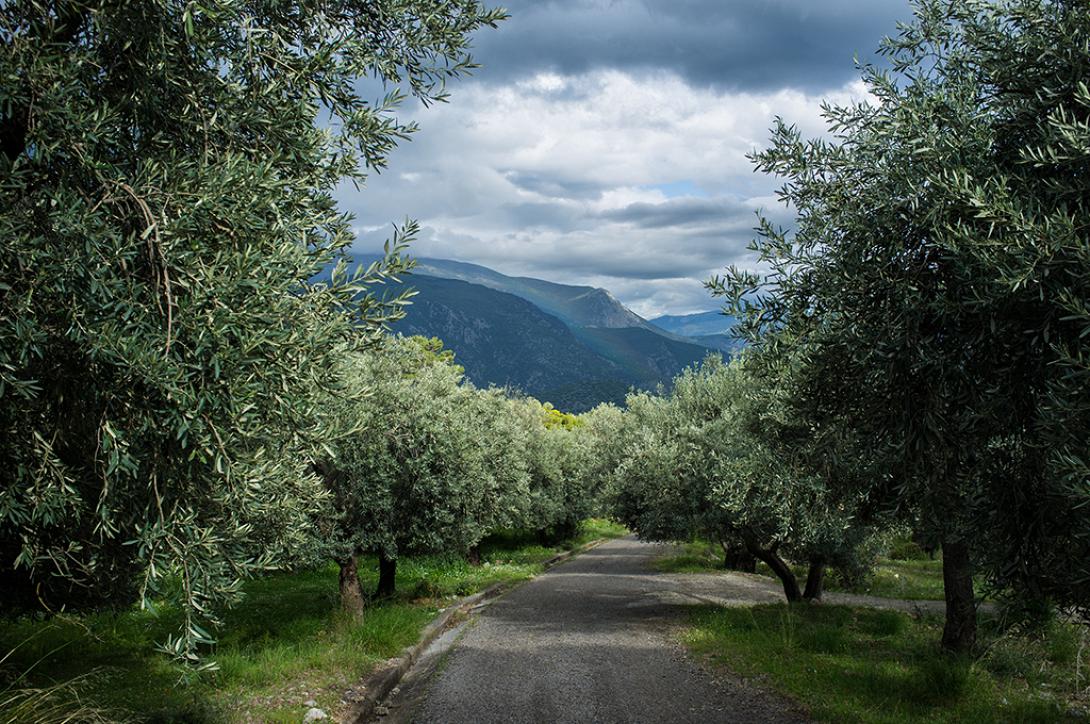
756 45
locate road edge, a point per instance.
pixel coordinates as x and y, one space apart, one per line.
378 684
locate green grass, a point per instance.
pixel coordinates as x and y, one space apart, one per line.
596 528
913 580
694 557
287 642
866 665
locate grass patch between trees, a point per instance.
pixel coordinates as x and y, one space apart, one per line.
911 580
868 665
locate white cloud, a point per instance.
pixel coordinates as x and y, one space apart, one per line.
555 176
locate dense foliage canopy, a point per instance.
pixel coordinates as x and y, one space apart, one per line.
934 288
720 458
166 179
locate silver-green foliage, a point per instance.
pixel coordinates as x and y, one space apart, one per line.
594 437
166 183
704 460
565 469
938 279
432 463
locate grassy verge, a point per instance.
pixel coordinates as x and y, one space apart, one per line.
865 665
287 643
913 580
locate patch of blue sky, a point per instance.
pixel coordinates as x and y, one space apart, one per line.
676 189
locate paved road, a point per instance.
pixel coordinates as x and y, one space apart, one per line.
592 640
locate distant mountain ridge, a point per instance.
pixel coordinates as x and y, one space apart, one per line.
574 346
711 329
504 340
696 325
578 305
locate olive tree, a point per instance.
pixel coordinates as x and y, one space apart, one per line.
413 476
648 492
555 451
594 446
937 276
505 499
167 177
705 461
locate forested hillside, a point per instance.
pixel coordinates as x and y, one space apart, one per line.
503 340
573 346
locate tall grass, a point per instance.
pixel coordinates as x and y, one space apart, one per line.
53 703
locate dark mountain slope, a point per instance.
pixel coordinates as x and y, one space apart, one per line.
649 358
502 339
570 345
577 305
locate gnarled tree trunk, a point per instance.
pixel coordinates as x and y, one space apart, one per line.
737 558
959 633
815 579
351 590
771 558
473 555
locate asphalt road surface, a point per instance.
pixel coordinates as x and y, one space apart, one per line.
592 640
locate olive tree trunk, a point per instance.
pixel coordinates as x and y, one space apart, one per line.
737 558
770 557
959 633
351 590
815 579
387 574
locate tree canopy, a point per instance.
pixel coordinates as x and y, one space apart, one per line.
936 279
722 458
166 186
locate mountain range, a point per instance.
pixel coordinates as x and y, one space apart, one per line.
711 329
573 346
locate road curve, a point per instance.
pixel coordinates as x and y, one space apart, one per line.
592 640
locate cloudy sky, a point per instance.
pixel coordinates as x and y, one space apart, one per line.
604 142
